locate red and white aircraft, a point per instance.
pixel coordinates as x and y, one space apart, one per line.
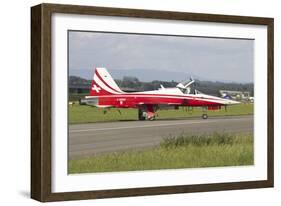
105 93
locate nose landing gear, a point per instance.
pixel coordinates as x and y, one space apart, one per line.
204 116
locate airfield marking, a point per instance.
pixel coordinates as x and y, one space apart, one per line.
151 125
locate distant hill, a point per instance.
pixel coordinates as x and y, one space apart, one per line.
131 83
140 73
75 80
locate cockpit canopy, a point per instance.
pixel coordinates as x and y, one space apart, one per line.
185 86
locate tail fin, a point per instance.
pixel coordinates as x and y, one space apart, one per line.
103 84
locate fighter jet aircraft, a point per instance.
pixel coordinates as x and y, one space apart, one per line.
105 93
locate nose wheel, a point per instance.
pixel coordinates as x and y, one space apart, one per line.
204 116
204 111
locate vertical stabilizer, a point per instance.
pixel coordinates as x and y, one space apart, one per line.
103 84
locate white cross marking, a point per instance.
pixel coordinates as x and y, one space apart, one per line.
97 89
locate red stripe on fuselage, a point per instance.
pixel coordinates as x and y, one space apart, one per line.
135 101
124 95
172 95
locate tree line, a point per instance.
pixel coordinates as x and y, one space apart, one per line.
134 84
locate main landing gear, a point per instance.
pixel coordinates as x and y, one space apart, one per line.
141 114
147 113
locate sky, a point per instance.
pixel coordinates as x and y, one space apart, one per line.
154 57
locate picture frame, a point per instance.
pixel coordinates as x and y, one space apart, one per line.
42 118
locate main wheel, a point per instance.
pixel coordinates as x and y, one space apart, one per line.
141 114
204 116
151 118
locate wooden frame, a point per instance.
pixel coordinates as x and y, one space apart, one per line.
41 102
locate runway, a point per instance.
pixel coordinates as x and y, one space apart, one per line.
98 138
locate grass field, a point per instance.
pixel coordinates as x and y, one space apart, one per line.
183 151
86 114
